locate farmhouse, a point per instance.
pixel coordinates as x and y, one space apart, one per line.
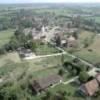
43 83
71 42
89 88
25 52
98 78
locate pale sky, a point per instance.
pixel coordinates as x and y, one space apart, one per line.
49 1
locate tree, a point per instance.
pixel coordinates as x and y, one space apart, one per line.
61 72
2 50
83 76
75 35
60 95
74 71
58 40
86 42
32 45
47 96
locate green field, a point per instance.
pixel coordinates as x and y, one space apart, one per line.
91 56
5 36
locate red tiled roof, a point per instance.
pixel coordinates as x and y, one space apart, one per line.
90 87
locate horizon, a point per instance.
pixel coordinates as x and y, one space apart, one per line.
49 1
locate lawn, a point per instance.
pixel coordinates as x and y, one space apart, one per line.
5 36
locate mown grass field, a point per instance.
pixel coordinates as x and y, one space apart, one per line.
5 36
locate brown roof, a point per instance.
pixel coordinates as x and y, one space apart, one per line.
90 88
45 82
98 77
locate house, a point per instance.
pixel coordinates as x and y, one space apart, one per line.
98 78
63 43
89 88
71 42
25 52
43 83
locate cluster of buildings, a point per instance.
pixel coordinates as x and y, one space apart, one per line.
47 34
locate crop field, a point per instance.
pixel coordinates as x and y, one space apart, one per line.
5 36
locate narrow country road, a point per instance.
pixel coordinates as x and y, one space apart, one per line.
91 72
44 56
73 56
71 80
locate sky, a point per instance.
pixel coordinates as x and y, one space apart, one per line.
49 1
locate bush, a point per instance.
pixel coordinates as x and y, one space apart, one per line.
83 76
61 72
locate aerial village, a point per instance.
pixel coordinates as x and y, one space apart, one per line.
50 60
